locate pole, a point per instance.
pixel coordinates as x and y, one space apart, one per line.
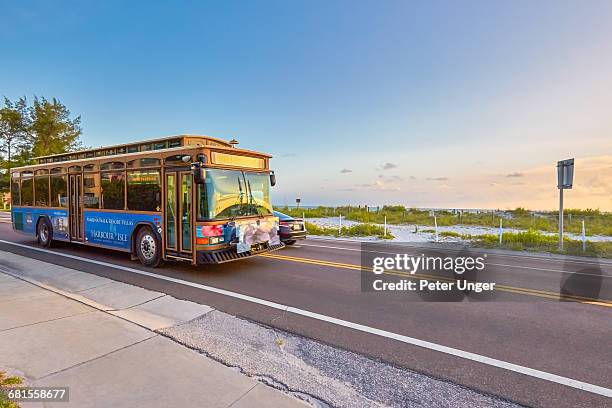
561 219
436 227
385 225
583 237
303 217
340 225
501 231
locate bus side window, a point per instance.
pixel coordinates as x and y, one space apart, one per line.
144 190
41 190
59 191
15 191
27 191
113 190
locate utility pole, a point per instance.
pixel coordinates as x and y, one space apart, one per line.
561 219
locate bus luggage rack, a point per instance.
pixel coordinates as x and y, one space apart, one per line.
230 254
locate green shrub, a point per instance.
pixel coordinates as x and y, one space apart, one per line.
536 241
357 230
452 234
7 382
597 223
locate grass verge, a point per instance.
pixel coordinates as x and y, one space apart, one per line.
596 222
535 241
5 382
358 230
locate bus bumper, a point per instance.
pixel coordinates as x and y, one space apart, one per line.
230 254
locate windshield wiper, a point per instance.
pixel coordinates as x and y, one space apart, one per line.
239 201
252 207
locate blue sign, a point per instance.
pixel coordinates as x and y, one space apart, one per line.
115 229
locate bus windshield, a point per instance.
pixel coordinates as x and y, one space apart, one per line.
233 193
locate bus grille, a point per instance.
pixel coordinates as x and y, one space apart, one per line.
230 254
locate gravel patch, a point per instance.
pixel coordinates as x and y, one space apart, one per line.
320 374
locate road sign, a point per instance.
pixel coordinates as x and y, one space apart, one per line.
565 173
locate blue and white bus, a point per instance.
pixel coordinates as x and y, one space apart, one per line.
193 198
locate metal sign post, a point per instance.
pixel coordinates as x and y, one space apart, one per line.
565 179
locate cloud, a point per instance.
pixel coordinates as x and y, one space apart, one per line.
381 185
378 184
515 174
437 178
389 166
345 189
344 171
389 179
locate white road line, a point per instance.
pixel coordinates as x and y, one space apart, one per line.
543 375
492 264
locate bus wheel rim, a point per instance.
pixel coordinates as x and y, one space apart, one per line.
147 247
43 233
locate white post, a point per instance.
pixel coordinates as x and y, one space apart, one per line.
340 225
583 237
436 227
561 219
500 231
385 225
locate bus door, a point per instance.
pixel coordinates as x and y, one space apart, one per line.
178 207
75 207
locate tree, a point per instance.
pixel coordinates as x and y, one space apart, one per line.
52 131
14 124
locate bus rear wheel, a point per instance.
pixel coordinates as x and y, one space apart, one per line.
44 233
148 248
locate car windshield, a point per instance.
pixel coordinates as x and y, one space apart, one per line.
233 193
281 216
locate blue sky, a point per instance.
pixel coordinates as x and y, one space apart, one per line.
468 102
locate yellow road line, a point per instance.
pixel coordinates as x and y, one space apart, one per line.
502 288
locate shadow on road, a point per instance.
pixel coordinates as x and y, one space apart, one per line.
584 283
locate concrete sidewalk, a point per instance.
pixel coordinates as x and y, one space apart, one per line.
61 327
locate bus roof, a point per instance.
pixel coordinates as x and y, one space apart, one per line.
140 146
133 147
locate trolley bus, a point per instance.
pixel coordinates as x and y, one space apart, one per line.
191 198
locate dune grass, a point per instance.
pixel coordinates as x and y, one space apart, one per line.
597 223
536 241
358 230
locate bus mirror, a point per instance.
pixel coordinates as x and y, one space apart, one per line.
272 179
199 175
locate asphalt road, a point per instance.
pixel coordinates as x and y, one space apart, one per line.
550 314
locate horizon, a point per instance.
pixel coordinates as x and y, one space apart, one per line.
534 210
431 105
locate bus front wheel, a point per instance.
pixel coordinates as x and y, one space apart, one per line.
148 247
44 233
